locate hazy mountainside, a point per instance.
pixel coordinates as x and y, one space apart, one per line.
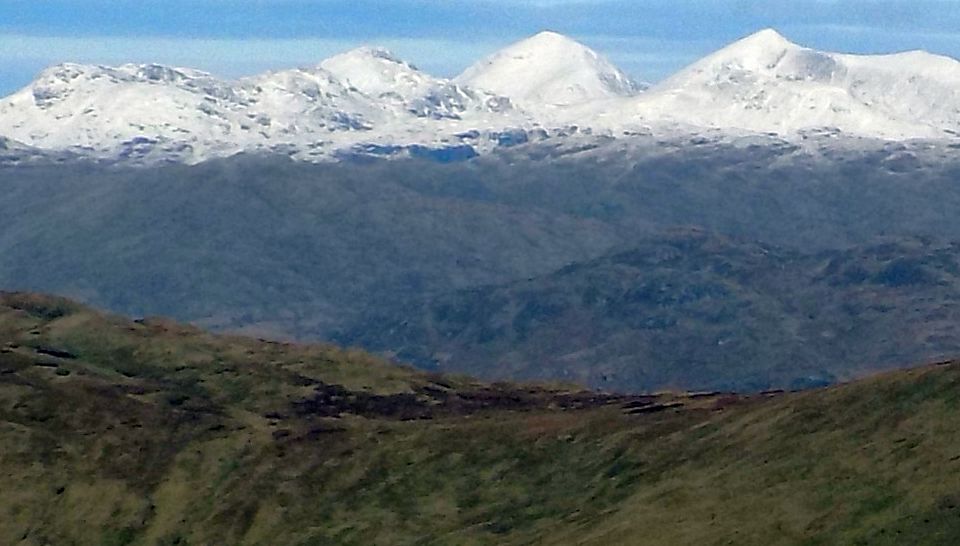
144 433
283 247
692 310
288 249
547 87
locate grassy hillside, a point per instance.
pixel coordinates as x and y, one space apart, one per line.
115 432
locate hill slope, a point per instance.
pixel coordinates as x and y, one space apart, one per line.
117 432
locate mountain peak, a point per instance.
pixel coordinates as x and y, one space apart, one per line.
376 71
766 38
382 76
548 69
549 36
550 43
759 49
766 83
369 53
760 52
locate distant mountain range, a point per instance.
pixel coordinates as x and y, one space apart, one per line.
369 102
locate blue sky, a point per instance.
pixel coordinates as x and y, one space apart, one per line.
647 38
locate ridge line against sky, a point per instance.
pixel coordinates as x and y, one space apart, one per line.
649 39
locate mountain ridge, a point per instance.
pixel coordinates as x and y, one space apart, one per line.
368 101
765 82
380 74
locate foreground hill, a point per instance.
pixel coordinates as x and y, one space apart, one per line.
119 432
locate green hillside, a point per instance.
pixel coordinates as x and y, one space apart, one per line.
116 432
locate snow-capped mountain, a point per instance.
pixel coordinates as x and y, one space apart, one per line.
547 70
294 102
548 86
766 83
149 112
137 110
382 76
100 108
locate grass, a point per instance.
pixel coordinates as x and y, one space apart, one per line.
162 434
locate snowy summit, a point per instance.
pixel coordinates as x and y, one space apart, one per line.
766 83
549 69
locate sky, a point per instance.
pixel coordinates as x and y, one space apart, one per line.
648 39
